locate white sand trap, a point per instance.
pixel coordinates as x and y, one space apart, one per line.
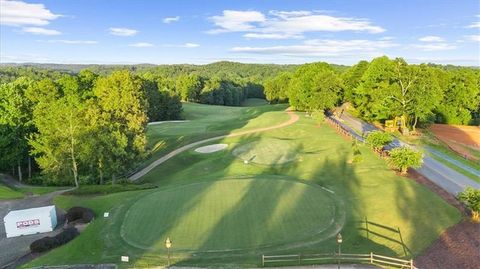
166 121
211 148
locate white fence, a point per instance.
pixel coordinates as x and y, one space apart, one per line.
371 258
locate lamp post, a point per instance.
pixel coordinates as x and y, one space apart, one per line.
339 242
168 245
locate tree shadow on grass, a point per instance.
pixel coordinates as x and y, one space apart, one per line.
336 176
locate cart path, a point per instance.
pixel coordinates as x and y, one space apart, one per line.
293 118
442 175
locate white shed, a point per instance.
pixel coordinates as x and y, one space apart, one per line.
30 221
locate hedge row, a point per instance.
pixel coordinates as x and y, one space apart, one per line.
48 242
109 188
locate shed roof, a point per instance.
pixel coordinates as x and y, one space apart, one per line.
29 212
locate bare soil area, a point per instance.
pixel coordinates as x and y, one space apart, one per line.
459 246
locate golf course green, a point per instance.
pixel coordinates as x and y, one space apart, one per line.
229 215
293 197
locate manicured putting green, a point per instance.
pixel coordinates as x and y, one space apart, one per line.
229 214
267 151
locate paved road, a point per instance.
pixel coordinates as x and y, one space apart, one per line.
293 118
442 175
455 162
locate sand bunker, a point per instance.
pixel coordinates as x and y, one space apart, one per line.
211 148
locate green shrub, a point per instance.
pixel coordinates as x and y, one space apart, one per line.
404 157
109 188
378 139
471 198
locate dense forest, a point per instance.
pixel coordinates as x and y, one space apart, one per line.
86 124
384 89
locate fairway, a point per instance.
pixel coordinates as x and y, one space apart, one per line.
266 151
230 215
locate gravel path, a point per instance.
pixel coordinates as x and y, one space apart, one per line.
442 175
293 118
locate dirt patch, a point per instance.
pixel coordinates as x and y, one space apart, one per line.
459 246
459 138
211 148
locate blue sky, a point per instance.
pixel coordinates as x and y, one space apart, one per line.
293 31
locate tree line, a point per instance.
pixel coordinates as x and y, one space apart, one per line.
384 89
79 128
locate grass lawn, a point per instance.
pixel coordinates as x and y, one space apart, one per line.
205 121
9 193
219 210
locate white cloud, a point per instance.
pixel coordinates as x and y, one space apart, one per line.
434 46
475 38
122 31
142 45
431 38
236 21
40 31
271 36
171 19
474 25
190 45
322 47
287 24
18 13
186 45
65 41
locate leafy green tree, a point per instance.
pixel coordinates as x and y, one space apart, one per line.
471 198
404 157
61 128
370 93
461 98
315 87
15 124
391 88
171 107
378 139
352 78
189 87
122 107
276 88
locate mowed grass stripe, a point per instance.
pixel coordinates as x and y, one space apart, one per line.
229 215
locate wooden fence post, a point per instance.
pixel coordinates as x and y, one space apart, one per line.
366 226
263 260
411 264
403 244
371 257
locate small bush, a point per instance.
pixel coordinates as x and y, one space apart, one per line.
378 139
80 214
471 198
109 188
47 243
67 235
318 116
43 244
357 154
404 157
